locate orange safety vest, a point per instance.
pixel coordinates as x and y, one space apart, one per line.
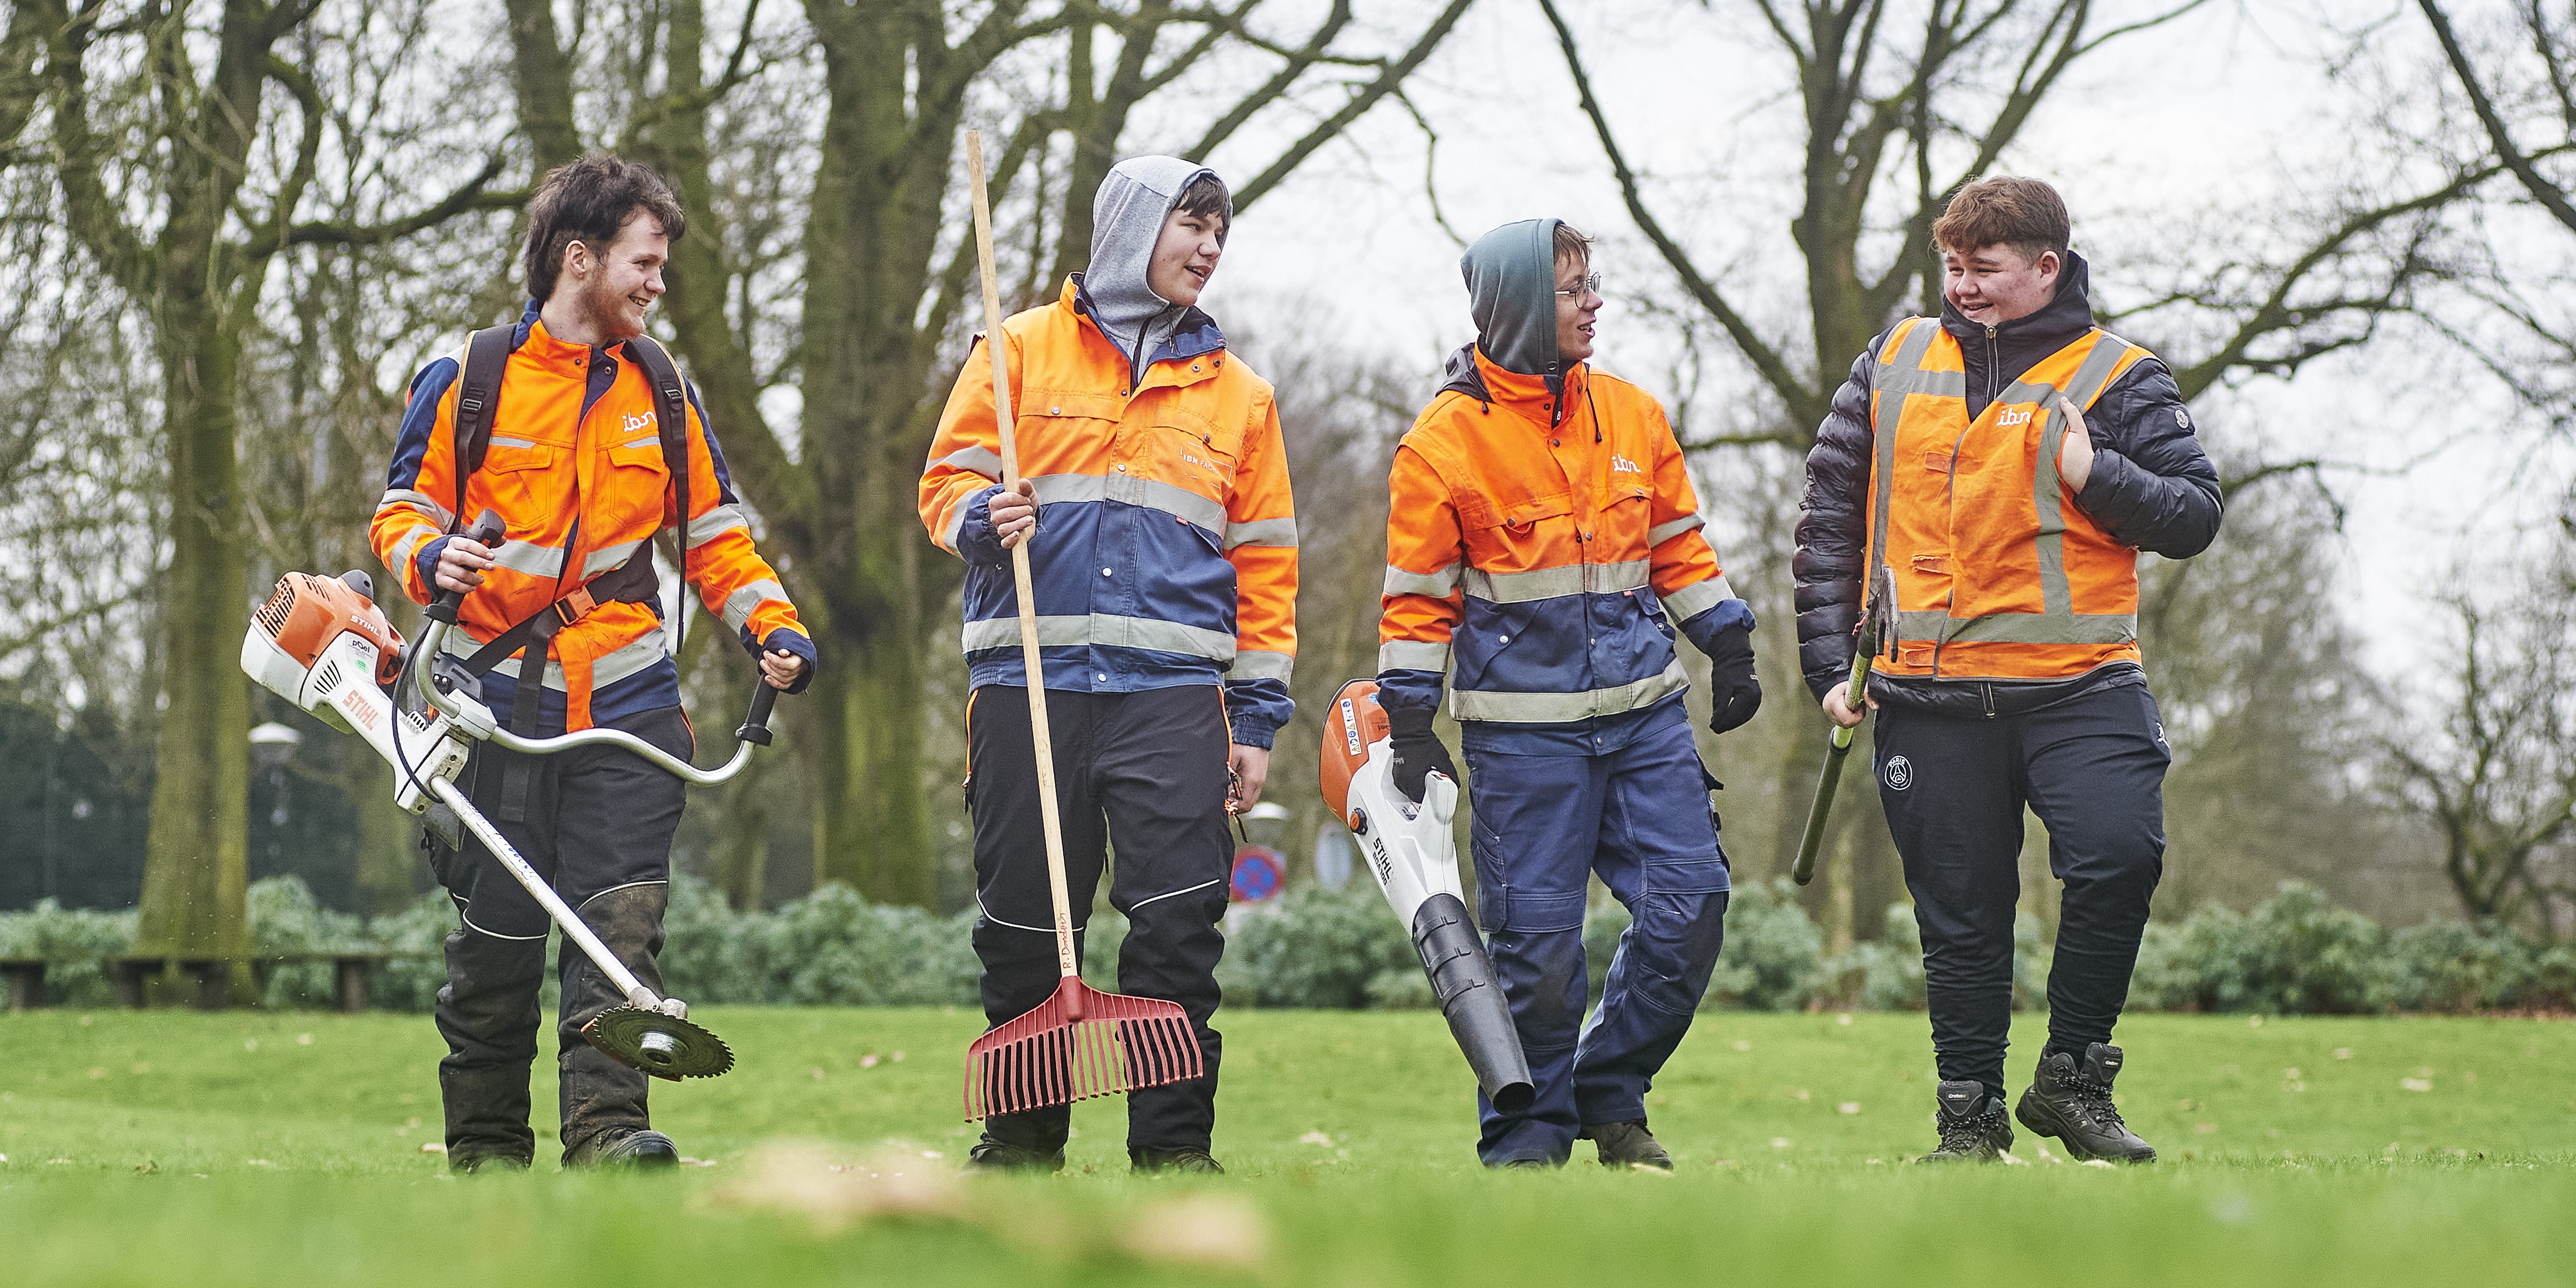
1997 576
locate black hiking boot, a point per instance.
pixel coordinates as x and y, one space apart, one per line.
990 1155
1188 1161
2072 1102
1972 1123
486 1164
1627 1144
643 1150
1528 1165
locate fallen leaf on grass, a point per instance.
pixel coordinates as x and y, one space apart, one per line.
432 1147
686 1161
2098 1162
1742 1045
2205 1129
803 1180
2343 1053
1848 1107
868 1061
96 1074
1314 1138
303 1039
261 1162
1779 1142
2416 1084
1214 1231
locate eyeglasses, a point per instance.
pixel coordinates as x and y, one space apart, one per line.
1591 285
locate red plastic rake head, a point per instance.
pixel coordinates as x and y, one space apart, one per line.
1081 1043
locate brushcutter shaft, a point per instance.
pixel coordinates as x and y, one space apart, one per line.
636 994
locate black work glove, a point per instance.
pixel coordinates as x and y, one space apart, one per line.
1418 751
1734 692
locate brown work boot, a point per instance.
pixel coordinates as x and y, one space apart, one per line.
1627 1144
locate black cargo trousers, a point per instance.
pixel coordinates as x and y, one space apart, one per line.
597 823
1142 772
2092 768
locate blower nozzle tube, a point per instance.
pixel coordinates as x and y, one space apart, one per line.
1462 977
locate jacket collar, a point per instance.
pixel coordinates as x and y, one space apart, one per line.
534 343
1195 337
1479 377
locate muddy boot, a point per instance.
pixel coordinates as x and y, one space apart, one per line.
642 1150
1972 1123
603 1100
1627 1144
487 1011
1025 1142
1186 1161
2072 1102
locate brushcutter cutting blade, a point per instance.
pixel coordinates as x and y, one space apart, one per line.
664 1046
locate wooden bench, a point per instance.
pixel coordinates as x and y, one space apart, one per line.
350 972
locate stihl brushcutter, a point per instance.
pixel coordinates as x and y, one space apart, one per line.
322 644
1414 856
1877 631
1080 1042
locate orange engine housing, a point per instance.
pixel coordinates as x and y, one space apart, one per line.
307 612
1353 722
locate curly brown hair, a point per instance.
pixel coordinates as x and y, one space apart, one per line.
588 201
2003 210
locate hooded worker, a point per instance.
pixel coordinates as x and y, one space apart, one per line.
1163 556
1544 544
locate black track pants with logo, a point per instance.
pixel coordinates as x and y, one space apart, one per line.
2092 768
1144 773
599 827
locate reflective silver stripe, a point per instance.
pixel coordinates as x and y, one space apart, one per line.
1438 585
1697 598
1666 531
956 525
654 441
974 460
1549 583
1915 380
1102 629
1129 490
740 605
1131 908
2021 628
530 558
1262 664
2047 491
715 523
501 440
601 561
1559 708
1412 655
419 501
1909 358
408 547
1261 532
646 650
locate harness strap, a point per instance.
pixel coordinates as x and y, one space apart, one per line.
632 582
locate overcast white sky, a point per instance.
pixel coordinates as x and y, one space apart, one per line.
2207 124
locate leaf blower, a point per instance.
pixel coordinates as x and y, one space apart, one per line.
322 644
1414 855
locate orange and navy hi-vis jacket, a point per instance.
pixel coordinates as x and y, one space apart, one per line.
577 473
1998 575
1166 546
1545 549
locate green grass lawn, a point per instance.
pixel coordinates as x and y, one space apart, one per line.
285 1149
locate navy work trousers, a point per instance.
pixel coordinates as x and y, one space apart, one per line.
1640 817
1143 772
2092 768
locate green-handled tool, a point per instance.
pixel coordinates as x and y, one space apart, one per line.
1874 633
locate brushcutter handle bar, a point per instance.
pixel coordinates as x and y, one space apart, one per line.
486 532
755 727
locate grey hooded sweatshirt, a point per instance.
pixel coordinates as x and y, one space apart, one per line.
1511 290
1127 216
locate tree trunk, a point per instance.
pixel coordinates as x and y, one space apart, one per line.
197 852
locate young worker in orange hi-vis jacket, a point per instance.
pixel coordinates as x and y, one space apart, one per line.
1163 546
2004 464
563 621
1544 545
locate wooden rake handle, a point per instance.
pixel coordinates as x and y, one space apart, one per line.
995 344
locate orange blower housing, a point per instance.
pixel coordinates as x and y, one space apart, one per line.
1355 721
307 612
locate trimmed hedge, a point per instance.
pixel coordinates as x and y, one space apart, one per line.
2292 954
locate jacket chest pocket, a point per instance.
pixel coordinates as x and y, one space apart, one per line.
515 479
1527 528
1620 530
637 484
1190 450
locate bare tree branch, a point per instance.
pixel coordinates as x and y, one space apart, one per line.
2550 196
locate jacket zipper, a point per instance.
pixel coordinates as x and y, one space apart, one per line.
1950 500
